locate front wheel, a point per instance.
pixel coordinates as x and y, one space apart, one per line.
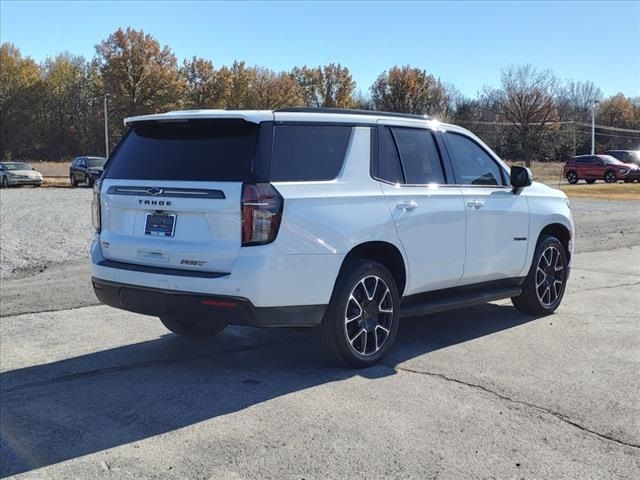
572 178
72 179
610 177
544 286
361 322
201 330
5 182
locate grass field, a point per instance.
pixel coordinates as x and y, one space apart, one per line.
603 191
52 169
547 172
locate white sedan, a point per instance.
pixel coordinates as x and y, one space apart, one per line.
19 173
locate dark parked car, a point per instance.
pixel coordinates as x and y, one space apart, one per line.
599 167
632 157
86 170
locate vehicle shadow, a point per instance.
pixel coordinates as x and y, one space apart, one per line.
73 407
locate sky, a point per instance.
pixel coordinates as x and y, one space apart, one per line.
466 44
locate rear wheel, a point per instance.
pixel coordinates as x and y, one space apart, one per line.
610 177
200 330
544 286
361 322
572 178
591 180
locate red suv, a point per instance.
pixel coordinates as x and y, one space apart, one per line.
599 167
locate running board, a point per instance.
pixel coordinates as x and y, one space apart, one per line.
452 299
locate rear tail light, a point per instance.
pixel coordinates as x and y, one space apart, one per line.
95 206
261 213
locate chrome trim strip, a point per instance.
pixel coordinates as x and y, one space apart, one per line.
166 192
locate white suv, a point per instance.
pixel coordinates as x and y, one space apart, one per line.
341 220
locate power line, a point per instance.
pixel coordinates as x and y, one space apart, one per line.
551 124
608 135
606 127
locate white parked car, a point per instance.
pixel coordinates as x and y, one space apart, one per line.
19 173
335 219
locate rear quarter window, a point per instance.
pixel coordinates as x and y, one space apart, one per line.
308 152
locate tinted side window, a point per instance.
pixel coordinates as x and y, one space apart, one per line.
204 150
471 164
419 155
389 168
308 152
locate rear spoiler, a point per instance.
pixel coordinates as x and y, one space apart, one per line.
252 116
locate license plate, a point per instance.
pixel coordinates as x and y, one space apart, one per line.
160 225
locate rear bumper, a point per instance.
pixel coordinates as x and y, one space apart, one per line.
263 275
200 308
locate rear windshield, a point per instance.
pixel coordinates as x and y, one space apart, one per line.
198 150
95 162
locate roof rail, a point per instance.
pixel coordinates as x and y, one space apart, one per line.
353 111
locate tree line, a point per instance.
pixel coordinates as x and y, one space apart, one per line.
53 110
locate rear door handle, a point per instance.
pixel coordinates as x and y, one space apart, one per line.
475 204
407 206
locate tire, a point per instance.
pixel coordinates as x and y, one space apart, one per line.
200 330
72 179
591 181
572 177
542 296
610 176
4 183
89 182
361 322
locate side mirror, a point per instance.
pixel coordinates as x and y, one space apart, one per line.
521 177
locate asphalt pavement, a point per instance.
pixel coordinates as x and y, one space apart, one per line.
87 391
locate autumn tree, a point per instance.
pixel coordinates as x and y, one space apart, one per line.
410 90
138 74
576 99
273 90
527 101
20 95
616 111
205 87
329 86
71 114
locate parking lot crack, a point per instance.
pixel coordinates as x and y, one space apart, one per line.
559 416
610 286
132 366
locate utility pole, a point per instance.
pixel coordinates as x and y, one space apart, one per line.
106 129
593 127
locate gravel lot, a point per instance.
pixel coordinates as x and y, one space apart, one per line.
43 226
92 392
